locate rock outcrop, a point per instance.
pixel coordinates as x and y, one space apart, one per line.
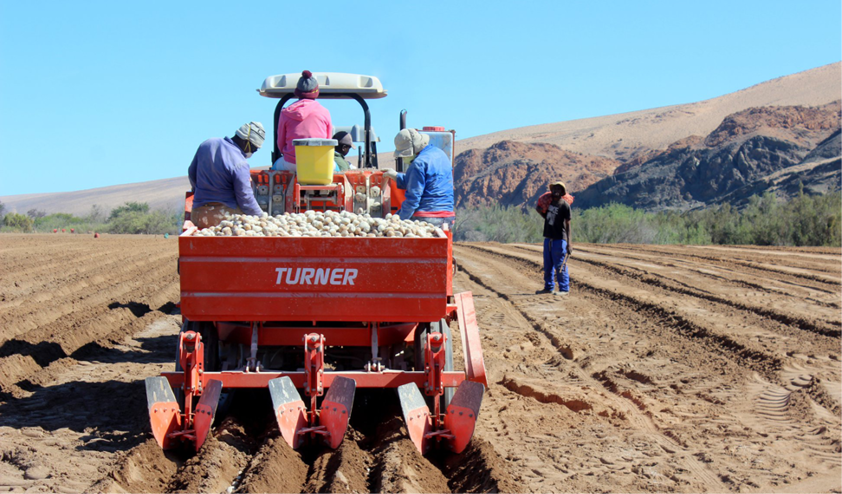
514 173
759 149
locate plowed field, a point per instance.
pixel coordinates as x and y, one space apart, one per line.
668 368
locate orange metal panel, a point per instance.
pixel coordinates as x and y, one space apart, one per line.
471 347
320 279
294 335
385 379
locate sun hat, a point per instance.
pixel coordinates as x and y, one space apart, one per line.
563 187
409 142
253 132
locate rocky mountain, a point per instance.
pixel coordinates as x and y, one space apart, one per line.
758 149
513 173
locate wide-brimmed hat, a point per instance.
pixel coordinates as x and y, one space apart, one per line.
559 182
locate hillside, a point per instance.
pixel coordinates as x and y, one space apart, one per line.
626 135
750 152
595 144
513 173
165 194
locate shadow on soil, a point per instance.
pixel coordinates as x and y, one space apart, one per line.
155 350
113 413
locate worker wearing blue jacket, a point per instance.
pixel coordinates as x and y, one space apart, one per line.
221 178
428 181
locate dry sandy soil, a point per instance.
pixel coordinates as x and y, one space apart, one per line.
682 369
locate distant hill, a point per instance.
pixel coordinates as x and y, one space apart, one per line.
752 151
165 194
514 173
626 135
580 152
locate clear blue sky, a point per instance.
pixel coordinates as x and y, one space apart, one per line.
98 93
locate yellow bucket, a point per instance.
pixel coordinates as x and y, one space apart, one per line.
314 160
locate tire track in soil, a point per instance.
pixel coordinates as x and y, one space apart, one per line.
780 261
822 327
746 355
818 432
739 275
622 404
792 328
823 274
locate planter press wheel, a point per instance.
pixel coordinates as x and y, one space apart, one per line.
420 345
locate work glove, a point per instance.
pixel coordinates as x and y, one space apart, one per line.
391 173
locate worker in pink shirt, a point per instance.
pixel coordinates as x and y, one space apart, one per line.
305 118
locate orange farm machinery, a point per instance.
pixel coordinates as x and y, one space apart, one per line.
321 316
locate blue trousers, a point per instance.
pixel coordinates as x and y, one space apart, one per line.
554 253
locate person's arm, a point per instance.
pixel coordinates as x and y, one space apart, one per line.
328 125
415 181
569 236
401 180
568 213
191 172
282 134
541 206
243 191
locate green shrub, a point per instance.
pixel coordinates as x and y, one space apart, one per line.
129 207
497 224
18 223
803 221
135 221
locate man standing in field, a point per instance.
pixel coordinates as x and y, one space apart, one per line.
221 177
556 214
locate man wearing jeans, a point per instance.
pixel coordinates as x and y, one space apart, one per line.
557 248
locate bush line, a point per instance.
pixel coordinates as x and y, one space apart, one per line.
803 221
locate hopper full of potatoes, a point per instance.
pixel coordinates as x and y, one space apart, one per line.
320 224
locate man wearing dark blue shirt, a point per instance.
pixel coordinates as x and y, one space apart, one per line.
557 247
221 177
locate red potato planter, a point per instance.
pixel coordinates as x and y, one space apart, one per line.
322 316
373 298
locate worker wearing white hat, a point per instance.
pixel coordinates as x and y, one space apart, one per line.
221 177
428 180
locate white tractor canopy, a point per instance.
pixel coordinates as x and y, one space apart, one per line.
357 133
331 85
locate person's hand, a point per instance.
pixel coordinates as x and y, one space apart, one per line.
569 249
391 173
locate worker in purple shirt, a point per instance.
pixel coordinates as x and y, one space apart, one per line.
220 176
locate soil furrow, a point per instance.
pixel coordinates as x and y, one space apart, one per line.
752 358
635 382
669 280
